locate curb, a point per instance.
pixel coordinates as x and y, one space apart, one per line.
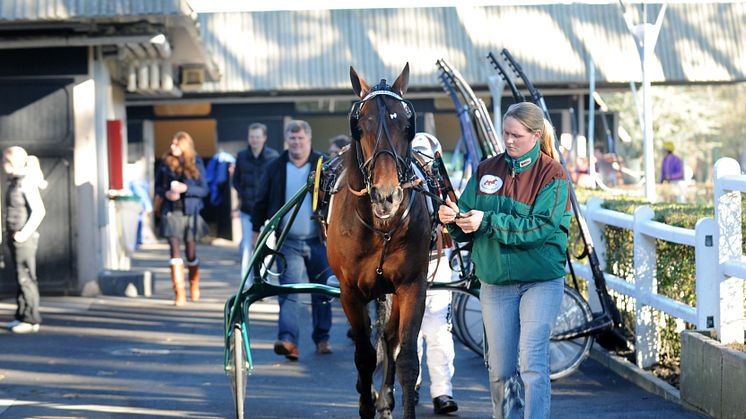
638 376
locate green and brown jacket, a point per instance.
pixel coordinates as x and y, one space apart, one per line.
523 235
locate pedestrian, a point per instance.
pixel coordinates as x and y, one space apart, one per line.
435 331
180 181
672 167
250 164
24 213
517 211
336 144
304 251
137 184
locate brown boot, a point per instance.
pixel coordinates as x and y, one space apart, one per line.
177 280
194 279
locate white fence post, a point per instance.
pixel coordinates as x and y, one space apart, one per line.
707 278
646 331
596 231
730 321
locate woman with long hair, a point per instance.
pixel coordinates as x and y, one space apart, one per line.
180 181
516 209
24 212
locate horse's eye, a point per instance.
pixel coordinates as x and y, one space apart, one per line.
368 123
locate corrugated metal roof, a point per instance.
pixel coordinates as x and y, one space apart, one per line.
27 21
51 10
309 50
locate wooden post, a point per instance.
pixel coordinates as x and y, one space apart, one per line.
707 278
730 321
646 331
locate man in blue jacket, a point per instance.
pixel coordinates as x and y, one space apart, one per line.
250 164
304 251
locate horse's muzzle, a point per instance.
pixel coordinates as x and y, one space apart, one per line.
386 200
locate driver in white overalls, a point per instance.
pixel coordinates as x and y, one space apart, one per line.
436 322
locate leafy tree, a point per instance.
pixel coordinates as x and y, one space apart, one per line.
704 122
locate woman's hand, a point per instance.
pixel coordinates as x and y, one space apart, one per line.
178 187
172 196
448 213
470 222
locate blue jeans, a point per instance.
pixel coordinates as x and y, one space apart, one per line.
306 262
245 248
518 320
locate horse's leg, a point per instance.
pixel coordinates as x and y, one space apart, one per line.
386 402
365 355
411 308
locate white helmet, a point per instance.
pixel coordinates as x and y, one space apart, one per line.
424 147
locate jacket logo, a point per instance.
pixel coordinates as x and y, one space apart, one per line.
490 184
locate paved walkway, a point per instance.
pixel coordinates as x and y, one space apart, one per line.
117 357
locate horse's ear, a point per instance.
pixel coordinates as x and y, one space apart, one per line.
402 82
359 86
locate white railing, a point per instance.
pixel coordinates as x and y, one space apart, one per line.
720 264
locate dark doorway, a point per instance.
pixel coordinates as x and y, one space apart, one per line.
37 114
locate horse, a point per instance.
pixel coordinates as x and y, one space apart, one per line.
378 239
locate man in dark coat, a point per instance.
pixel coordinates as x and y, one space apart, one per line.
250 164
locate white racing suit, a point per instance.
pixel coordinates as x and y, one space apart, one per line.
436 331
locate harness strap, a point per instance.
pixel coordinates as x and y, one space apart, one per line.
386 235
413 184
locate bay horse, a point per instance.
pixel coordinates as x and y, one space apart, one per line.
378 239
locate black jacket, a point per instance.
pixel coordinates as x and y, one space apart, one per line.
247 174
271 189
192 198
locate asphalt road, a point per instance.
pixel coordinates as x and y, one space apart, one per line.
118 357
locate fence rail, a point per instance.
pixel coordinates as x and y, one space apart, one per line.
720 264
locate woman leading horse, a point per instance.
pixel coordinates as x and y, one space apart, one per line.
378 239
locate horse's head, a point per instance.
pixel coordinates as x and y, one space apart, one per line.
382 125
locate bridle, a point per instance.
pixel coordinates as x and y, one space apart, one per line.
404 172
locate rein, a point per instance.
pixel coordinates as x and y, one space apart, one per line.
414 184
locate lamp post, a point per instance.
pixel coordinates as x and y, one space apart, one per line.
646 36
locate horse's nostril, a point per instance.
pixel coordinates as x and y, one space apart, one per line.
374 193
398 194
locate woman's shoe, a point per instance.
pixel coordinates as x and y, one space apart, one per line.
23 327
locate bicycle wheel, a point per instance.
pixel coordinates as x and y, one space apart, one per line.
565 356
238 376
467 321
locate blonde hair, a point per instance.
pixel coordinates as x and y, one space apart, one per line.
26 165
532 117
